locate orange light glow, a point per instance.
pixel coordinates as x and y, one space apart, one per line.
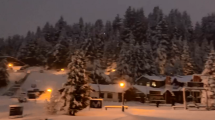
121 84
10 65
62 69
49 90
113 70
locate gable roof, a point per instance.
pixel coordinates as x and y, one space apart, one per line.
147 89
186 78
13 60
108 88
44 81
157 78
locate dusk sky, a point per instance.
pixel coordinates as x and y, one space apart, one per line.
19 16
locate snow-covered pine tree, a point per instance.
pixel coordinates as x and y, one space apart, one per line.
188 64
117 23
140 27
29 53
124 61
209 82
172 67
164 46
12 45
75 95
155 17
3 73
57 57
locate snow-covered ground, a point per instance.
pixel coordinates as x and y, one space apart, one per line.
13 76
45 80
137 111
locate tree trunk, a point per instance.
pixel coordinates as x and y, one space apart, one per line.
72 112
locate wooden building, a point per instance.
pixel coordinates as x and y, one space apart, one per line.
169 86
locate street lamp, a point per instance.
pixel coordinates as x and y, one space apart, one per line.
10 65
49 90
122 85
113 70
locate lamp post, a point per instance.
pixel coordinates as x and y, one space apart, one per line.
122 85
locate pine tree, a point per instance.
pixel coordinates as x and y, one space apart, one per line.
173 66
117 25
3 73
140 27
209 71
164 45
76 90
29 54
155 17
58 57
188 64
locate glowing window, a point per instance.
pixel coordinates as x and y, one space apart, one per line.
153 84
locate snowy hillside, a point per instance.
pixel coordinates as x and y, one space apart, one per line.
13 76
44 80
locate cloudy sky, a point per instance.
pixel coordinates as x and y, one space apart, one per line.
19 16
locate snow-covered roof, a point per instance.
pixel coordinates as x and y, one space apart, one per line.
108 88
187 78
157 78
143 89
146 89
44 81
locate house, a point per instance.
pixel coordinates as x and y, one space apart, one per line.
13 63
167 86
38 82
112 92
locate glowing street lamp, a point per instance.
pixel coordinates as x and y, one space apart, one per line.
10 65
113 70
122 85
62 69
49 90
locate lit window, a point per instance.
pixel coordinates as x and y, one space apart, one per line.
153 84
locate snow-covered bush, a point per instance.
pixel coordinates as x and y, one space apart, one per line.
51 105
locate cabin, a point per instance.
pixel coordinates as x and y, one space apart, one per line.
13 63
111 92
169 86
45 82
